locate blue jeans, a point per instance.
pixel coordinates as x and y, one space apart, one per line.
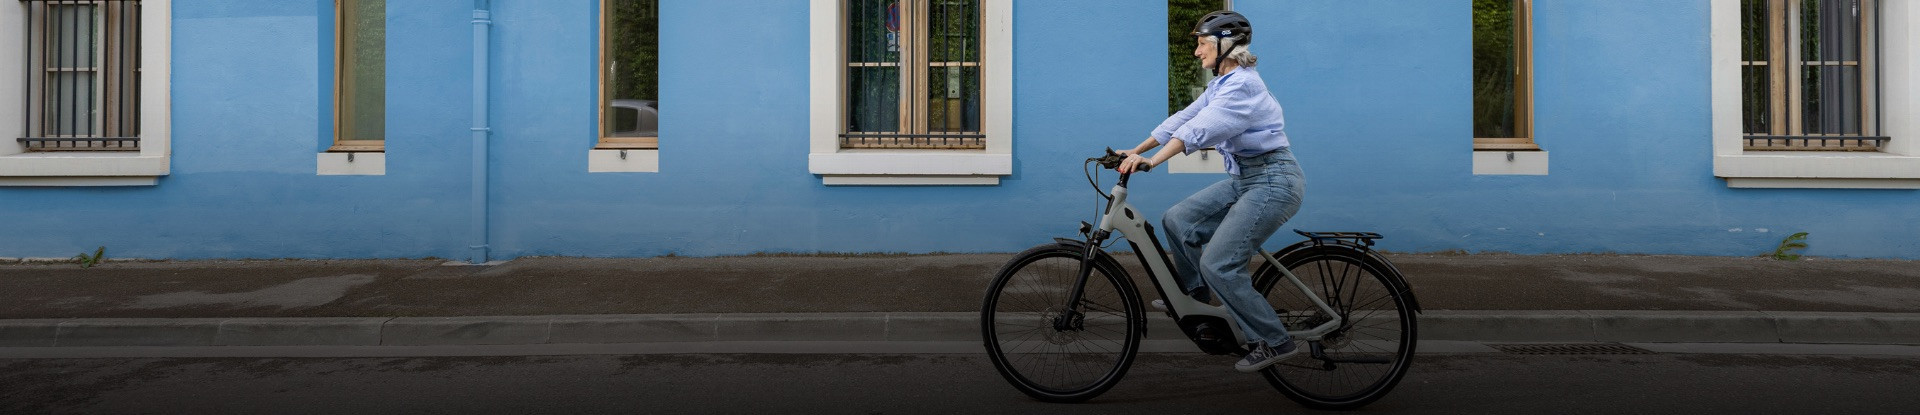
1215 233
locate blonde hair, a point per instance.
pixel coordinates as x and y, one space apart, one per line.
1240 56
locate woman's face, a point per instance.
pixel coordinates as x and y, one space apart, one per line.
1204 51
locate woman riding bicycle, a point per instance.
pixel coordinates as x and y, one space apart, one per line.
1213 233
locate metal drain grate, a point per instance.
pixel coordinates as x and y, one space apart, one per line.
1569 348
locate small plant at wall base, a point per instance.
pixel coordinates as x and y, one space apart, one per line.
1794 242
88 261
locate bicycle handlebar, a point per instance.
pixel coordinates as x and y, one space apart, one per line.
1112 161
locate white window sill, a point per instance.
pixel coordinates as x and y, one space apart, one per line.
1509 163
81 169
1818 170
623 161
895 167
352 164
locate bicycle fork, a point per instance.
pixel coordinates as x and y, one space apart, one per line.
1072 318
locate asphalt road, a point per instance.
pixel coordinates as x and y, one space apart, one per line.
1473 383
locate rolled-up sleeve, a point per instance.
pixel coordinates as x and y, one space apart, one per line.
1226 115
1165 131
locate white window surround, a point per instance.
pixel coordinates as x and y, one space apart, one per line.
1896 166
1205 160
623 161
21 168
352 164
826 89
1509 163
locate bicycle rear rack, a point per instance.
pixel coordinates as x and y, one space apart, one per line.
1322 238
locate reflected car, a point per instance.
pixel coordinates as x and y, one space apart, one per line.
634 118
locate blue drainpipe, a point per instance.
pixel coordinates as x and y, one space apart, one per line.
482 20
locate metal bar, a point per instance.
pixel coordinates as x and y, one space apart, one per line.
60 39
49 42
26 79
1834 111
46 139
93 85
139 45
885 135
120 75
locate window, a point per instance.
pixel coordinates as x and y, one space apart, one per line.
1782 105
1186 79
1503 75
360 76
913 75
629 74
914 92
83 76
1808 76
87 101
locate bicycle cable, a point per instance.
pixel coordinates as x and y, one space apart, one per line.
1093 179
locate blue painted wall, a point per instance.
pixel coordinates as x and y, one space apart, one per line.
1377 92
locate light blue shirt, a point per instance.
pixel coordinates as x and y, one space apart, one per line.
1236 115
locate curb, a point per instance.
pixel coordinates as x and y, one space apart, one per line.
1496 326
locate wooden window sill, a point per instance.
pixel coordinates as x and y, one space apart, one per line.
1504 144
358 146
628 143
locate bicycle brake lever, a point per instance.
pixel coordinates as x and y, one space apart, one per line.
1111 160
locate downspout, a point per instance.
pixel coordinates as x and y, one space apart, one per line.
482 21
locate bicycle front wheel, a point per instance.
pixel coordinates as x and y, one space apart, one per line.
1367 354
1048 348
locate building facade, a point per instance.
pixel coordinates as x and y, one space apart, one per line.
780 127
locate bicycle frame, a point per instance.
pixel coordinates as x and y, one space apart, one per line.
1121 216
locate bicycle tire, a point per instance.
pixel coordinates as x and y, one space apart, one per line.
1016 322
1386 333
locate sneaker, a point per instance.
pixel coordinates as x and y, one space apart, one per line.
1263 356
1159 305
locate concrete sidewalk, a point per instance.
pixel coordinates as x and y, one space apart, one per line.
1486 297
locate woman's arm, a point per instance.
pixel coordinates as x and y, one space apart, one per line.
1227 114
1174 146
1142 148
1165 130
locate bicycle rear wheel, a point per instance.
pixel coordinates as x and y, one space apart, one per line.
1039 345
1372 348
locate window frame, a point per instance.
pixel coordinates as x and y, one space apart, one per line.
855 166
603 132
1202 161
107 98
914 129
342 88
1522 85
1785 69
1895 166
619 154
93 168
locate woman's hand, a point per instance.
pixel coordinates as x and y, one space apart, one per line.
1133 162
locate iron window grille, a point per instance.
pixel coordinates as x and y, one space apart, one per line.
1810 75
82 77
914 75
